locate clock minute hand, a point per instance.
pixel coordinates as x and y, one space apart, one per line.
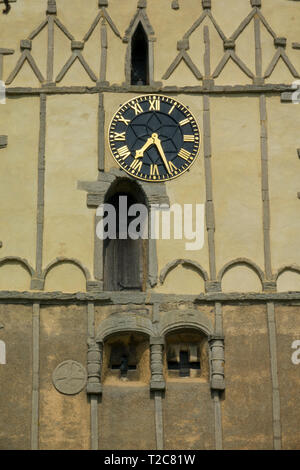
140 153
161 151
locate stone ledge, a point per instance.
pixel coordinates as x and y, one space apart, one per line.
157 386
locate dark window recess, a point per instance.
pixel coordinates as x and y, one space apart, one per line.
139 57
124 259
184 365
122 358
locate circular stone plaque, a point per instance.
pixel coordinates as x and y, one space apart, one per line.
69 377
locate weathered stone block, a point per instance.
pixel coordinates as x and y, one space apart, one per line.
77 45
183 45
26 44
229 44
280 42
206 4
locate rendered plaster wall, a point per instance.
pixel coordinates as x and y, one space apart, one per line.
19 118
284 182
64 419
127 417
247 405
71 156
71 141
188 416
236 169
188 412
288 330
16 377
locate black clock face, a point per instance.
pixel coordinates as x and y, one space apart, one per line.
154 138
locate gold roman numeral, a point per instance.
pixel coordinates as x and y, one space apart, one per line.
136 165
173 167
154 170
137 108
119 136
184 154
189 138
123 152
154 104
122 119
172 109
184 121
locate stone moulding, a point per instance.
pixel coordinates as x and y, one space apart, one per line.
120 322
281 88
242 262
182 262
96 193
291 267
16 259
177 319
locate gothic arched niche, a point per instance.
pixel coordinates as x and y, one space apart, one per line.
125 258
139 57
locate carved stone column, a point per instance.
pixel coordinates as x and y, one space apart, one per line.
217 359
156 358
94 366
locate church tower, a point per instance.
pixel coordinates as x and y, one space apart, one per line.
149 224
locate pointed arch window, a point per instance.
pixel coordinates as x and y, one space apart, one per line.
139 57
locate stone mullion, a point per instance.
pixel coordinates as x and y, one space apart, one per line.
35 376
37 282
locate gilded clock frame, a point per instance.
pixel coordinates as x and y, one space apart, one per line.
152 180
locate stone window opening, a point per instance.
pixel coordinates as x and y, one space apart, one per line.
139 57
126 359
187 355
185 364
123 359
125 259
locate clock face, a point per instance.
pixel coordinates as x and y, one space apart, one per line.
154 138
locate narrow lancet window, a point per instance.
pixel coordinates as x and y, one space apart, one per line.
139 57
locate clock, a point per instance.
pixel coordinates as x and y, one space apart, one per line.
154 138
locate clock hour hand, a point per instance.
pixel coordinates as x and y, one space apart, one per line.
161 151
140 153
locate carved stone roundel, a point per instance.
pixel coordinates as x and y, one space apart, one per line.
69 377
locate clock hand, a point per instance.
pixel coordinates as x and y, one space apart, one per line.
140 153
161 151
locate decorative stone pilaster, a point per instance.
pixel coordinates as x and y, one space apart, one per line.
269 286
213 286
94 365
51 7
217 359
156 359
